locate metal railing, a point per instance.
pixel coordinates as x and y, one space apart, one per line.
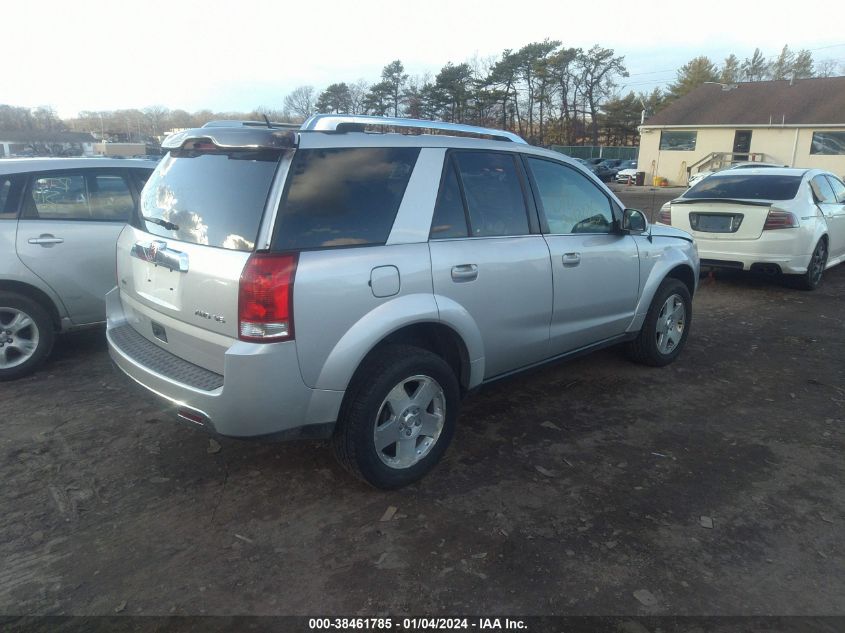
716 161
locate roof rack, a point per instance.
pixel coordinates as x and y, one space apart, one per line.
336 123
235 123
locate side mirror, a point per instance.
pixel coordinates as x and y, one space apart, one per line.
633 221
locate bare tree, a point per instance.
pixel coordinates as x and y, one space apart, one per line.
829 68
155 116
300 103
357 93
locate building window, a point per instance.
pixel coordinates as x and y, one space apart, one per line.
828 143
677 141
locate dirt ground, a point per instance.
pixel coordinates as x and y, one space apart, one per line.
714 486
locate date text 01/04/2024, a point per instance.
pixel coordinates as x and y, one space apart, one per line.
417 624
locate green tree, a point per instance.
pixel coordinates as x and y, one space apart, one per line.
731 71
567 89
803 66
621 118
691 75
379 99
503 82
452 90
393 75
532 66
756 68
599 67
336 99
781 67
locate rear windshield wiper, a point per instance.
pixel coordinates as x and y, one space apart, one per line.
168 225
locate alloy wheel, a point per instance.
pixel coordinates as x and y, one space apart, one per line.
409 421
670 324
18 337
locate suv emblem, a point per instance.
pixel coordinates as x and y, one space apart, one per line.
156 252
211 317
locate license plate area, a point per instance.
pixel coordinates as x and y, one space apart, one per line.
157 284
715 222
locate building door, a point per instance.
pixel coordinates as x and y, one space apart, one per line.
742 145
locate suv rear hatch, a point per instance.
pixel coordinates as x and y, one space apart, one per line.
179 263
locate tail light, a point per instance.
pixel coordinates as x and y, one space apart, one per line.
265 298
664 216
777 219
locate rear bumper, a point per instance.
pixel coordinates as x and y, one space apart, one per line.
743 254
259 395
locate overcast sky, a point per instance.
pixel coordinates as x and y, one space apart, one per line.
226 55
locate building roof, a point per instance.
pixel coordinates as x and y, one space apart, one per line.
43 136
818 101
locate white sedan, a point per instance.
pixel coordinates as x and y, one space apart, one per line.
770 220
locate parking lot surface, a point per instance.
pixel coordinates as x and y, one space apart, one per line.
713 486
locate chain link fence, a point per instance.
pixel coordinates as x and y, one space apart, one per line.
597 151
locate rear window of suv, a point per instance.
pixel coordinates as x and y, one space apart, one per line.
746 187
215 199
342 196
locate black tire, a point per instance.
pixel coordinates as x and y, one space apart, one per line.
365 401
41 330
812 279
645 349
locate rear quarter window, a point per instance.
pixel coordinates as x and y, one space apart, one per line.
5 197
342 197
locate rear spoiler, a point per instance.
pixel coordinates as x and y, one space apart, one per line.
754 203
232 138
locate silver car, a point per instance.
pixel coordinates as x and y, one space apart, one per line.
59 222
329 282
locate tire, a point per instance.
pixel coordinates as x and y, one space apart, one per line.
812 279
406 393
26 335
657 347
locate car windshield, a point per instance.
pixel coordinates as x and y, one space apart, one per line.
746 187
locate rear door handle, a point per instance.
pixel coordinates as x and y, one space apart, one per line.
46 240
571 259
464 272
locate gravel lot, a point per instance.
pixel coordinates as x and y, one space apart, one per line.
713 486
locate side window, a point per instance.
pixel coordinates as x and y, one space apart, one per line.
822 189
110 198
449 218
838 188
571 203
343 197
493 193
78 196
57 196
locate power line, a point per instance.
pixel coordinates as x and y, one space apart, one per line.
653 72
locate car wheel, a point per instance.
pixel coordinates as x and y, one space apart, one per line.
26 335
666 326
812 279
398 417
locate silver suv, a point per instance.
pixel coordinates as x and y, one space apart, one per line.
329 282
59 222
